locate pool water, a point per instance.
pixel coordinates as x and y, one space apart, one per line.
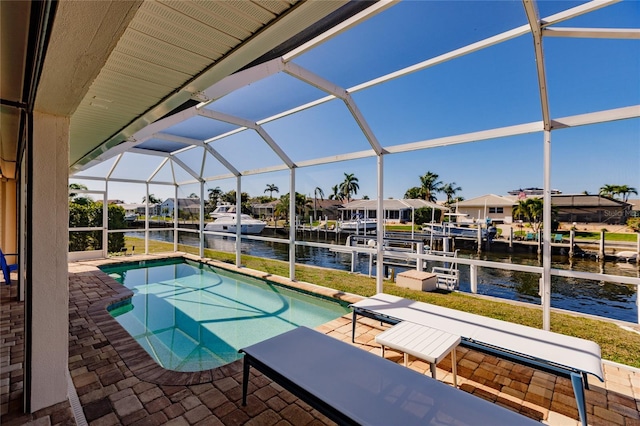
191 317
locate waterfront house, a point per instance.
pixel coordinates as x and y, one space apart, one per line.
496 208
590 209
395 210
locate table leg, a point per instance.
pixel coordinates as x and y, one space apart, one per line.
433 369
454 367
245 379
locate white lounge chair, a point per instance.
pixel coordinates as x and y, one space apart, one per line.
566 355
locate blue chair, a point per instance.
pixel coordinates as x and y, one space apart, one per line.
557 238
6 268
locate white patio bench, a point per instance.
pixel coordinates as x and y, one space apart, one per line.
565 355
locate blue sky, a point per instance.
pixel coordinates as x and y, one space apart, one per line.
494 87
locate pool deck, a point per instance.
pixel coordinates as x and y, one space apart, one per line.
118 383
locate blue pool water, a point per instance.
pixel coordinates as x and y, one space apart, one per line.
192 317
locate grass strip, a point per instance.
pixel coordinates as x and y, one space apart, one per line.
617 344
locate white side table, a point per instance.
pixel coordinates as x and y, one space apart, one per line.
429 344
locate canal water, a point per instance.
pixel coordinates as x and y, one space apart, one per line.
610 300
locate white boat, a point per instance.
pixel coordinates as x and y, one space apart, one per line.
224 209
448 230
131 217
627 255
227 223
357 224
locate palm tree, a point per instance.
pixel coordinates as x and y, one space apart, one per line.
450 190
608 190
530 209
349 186
214 195
414 193
336 195
317 192
282 208
430 185
152 199
76 186
625 191
271 188
73 196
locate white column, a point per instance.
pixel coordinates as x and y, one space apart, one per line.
473 277
105 223
175 218
292 225
238 223
47 293
201 227
546 235
380 227
146 219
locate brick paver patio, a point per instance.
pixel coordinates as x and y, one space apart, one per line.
118 383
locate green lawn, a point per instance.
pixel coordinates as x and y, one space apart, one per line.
617 344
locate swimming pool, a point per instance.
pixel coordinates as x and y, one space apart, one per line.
191 317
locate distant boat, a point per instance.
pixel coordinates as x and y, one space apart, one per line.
131 217
227 223
357 224
224 209
449 230
627 255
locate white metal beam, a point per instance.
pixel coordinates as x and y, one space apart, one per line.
337 158
157 170
296 109
339 92
113 166
224 135
186 168
577 11
546 235
142 151
536 32
269 169
355 20
608 33
275 147
363 124
474 47
219 177
380 226
122 180
519 129
623 113
315 80
198 142
242 79
215 115
179 139
221 159
220 116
